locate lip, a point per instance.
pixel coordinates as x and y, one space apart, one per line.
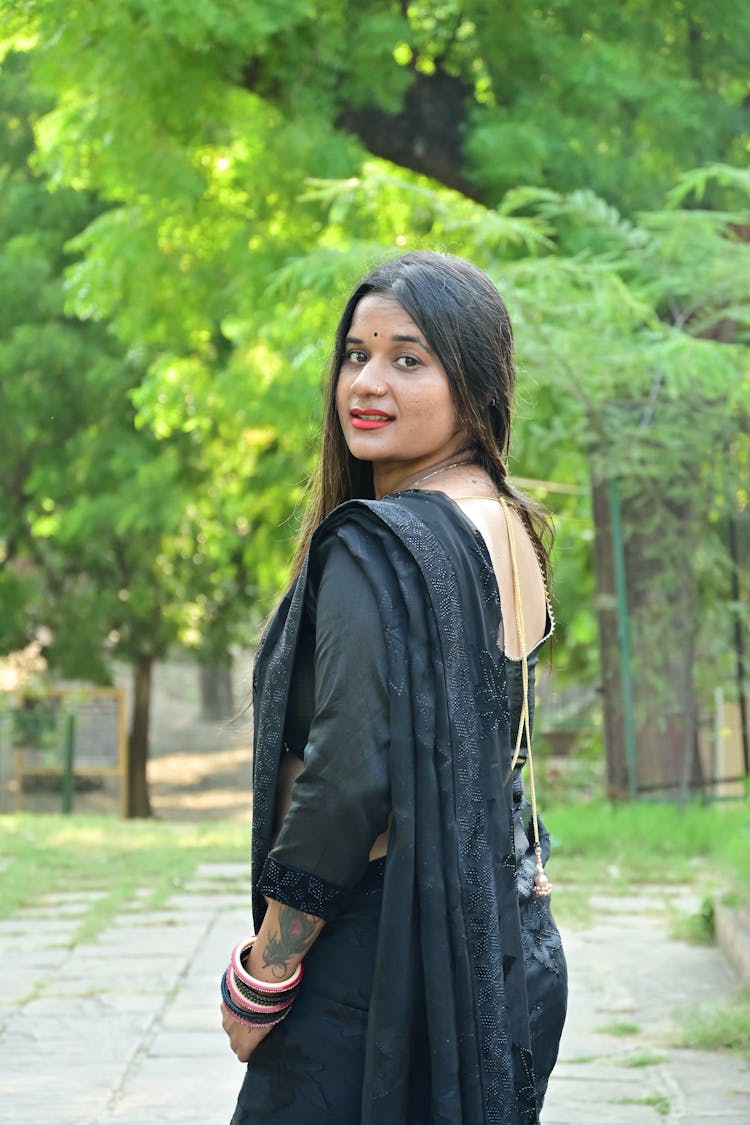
369 419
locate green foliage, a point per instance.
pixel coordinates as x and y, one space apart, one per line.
221 175
42 355
19 595
621 98
120 525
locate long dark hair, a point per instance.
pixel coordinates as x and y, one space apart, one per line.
465 322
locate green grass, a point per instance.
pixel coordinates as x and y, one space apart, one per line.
698 928
724 1026
642 1058
614 846
656 1101
141 861
596 846
620 1027
572 905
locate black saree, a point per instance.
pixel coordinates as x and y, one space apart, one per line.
447 1032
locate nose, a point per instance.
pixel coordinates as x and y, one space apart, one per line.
369 379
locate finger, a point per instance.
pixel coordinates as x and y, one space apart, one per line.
229 1024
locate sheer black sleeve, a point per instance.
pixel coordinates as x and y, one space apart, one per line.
341 799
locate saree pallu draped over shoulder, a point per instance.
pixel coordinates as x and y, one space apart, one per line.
449 966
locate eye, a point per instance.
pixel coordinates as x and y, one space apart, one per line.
355 355
407 361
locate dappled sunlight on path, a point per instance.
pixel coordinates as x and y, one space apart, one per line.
204 785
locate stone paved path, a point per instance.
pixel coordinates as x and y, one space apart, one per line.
625 970
125 1031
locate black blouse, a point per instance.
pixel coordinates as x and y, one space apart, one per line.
340 801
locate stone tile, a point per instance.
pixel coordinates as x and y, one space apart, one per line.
129 1029
233 871
172 1088
175 941
197 1043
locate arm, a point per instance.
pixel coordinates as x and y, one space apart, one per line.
283 940
341 800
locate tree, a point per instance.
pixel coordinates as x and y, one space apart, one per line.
624 327
102 523
216 262
477 96
41 354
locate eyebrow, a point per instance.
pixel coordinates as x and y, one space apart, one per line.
396 340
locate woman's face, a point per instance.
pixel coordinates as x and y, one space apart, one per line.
392 396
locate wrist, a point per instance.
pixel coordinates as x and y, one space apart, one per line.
254 1001
258 966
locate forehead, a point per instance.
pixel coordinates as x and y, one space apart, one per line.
377 312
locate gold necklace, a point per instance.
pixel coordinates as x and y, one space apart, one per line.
442 469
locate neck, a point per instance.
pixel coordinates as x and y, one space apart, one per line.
414 480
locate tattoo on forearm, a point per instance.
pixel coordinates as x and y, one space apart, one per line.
294 936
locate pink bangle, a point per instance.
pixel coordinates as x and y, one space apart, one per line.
268 987
249 1023
249 1005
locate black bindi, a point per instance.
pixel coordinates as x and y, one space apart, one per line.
374 333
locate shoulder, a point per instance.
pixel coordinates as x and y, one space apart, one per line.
414 529
359 525
402 513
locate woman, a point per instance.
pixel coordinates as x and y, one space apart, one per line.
393 695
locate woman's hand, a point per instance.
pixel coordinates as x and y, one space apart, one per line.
284 937
242 1039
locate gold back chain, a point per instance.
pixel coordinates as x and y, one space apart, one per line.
542 885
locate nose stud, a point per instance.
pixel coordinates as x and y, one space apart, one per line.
379 391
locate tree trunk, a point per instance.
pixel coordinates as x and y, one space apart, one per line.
662 598
426 135
138 803
609 648
217 696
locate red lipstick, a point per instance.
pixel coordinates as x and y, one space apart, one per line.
369 419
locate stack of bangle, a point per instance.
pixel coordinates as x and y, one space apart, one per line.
257 1003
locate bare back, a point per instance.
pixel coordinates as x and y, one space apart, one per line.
477 499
